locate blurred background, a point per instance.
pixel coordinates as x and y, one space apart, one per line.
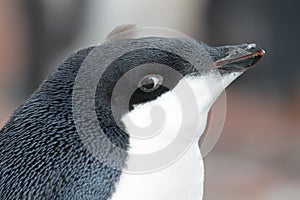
257 154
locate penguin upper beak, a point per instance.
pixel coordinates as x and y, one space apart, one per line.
237 58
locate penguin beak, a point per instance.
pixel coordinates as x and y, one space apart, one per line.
237 58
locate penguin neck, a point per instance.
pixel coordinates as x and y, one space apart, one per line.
181 179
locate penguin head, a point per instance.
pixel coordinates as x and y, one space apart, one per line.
155 87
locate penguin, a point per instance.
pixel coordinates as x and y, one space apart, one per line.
52 148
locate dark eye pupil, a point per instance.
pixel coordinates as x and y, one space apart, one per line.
148 83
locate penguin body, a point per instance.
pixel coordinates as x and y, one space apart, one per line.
43 154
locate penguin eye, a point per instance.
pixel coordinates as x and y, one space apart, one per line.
150 82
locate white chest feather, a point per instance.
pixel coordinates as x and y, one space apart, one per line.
181 181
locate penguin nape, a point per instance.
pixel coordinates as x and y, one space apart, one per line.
43 156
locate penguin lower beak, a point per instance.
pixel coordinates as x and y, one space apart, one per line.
237 58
